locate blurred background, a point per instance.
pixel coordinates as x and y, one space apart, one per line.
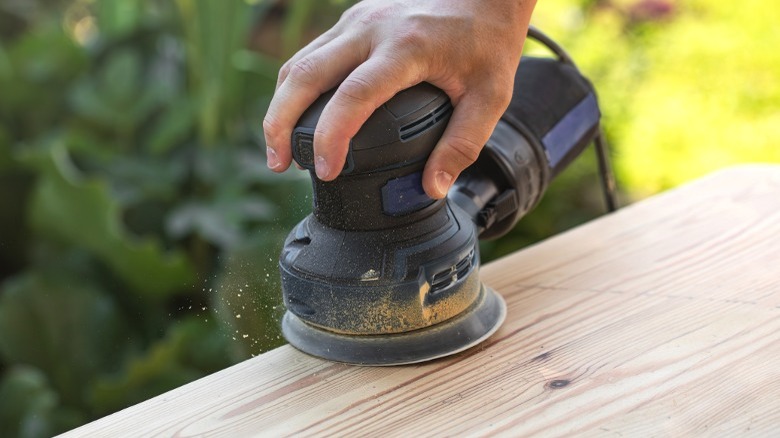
140 229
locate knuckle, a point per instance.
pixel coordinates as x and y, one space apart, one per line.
271 127
413 40
354 12
356 89
323 135
498 95
369 15
464 150
504 97
304 71
283 72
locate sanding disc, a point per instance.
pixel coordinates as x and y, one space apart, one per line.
457 334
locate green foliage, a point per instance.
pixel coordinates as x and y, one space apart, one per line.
83 214
134 199
29 406
190 348
711 96
686 87
140 228
213 32
53 316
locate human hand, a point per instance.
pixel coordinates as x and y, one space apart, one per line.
468 48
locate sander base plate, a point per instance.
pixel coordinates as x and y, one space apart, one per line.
454 335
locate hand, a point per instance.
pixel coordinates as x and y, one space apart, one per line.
468 48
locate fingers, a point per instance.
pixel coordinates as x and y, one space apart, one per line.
309 77
469 128
362 92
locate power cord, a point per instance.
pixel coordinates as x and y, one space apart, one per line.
608 185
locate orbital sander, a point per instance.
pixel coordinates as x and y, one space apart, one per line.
381 274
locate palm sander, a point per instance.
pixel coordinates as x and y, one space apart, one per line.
381 274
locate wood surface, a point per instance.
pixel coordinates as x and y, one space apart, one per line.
662 319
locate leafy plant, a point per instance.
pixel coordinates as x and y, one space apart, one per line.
140 199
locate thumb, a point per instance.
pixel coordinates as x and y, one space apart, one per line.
470 126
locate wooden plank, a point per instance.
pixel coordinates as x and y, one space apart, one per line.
660 319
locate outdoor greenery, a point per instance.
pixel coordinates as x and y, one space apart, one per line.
140 228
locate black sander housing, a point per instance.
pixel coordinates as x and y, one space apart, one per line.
381 274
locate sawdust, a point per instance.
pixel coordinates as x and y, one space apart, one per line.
390 316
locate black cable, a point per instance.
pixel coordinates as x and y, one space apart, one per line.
608 185
548 42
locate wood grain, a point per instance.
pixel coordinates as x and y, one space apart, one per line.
661 319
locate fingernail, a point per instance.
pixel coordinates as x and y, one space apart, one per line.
273 160
443 181
321 167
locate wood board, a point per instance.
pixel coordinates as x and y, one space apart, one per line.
660 319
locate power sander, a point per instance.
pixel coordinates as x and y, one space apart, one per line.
381 274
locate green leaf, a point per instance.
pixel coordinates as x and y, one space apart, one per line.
87 101
115 97
118 17
39 69
295 23
258 63
222 222
61 323
190 349
6 160
82 212
120 77
137 179
5 65
30 408
175 125
214 31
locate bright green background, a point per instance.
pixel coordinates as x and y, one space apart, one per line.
139 228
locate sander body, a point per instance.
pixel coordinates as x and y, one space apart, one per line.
381 274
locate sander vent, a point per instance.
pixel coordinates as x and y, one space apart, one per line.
446 278
417 127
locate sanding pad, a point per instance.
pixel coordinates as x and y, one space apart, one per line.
472 326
